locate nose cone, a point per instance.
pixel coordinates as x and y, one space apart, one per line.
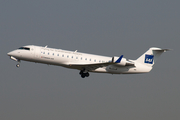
9 53
12 53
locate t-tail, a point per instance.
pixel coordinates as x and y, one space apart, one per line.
149 58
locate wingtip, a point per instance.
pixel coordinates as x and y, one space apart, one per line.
119 59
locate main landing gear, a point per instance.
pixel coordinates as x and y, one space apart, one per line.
84 74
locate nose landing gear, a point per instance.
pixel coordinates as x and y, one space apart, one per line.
18 65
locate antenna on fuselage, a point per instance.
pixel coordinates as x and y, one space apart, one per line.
46 46
75 51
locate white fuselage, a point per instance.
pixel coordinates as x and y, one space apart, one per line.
68 59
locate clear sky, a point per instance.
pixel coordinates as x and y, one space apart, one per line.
105 27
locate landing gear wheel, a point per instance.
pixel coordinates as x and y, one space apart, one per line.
87 74
18 65
83 75
81 72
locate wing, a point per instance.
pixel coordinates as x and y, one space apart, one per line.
91 67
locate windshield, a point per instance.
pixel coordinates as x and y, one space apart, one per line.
24 48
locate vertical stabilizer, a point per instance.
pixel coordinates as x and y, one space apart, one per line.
150 57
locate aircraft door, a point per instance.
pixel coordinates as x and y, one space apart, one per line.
36 52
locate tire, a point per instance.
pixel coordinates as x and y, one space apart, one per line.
87 74
83 75
18 65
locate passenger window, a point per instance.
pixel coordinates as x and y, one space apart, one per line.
62 55
72 57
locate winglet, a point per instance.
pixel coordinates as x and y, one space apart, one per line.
119 59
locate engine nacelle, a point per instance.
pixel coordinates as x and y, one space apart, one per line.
122 62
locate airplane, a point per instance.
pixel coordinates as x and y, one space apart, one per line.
86 63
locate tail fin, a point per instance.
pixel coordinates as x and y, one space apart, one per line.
150 57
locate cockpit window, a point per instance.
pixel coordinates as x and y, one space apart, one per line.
24 48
